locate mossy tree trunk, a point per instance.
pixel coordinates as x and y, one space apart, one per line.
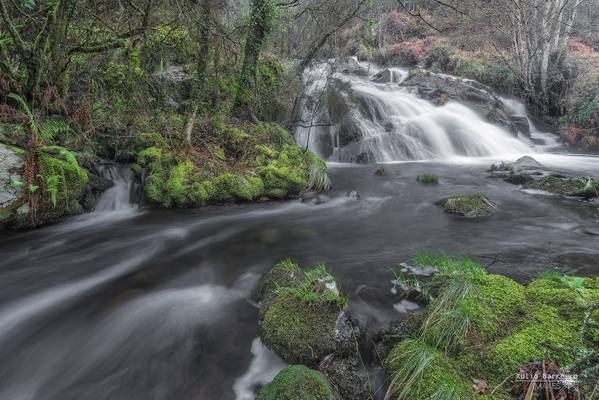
260 25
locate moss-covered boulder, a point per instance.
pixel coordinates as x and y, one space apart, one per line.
285 273
567 186
470 206
297 382
308 321
245 166
485 327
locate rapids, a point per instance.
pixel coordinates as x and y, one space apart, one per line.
126 303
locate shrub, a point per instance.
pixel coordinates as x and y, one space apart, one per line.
428 179
439 58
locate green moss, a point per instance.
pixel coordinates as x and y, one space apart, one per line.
419 371
567 186
472 206
557 293
297 382
545 335
289 173
495 305
285 273
428 179
299 331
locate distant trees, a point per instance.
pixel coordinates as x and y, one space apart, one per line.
44 36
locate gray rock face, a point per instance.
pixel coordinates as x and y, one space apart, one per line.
440 88
527 162
11 166
521 125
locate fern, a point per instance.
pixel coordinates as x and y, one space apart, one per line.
53 127
52 188
32 123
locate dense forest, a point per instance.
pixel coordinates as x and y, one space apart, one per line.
217 138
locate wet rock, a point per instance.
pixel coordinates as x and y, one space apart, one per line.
354 195
380 172
521 126
11 180
441 88
365 158
297 382
348 65
527 162
346 376
385 339
385 76
314 198
470 206
518 178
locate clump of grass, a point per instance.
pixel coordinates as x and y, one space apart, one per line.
428 179
448 264
316 286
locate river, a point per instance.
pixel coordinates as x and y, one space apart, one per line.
131 303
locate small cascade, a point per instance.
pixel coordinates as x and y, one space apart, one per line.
119 196
361 113
543 140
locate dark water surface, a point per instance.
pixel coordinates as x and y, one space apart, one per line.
140 304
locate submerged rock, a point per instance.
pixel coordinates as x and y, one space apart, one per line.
380 172
314 198
297 382
354 195
471 206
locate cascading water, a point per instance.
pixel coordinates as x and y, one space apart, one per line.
543 140
383 121
118 197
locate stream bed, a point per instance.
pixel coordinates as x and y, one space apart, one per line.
129 303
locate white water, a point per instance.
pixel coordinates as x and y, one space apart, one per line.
118 197
396 125
546 141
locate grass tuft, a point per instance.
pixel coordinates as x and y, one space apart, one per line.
428 179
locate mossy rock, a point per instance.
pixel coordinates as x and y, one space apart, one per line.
302 332
576 187
297 382
286 273
470 206
243 167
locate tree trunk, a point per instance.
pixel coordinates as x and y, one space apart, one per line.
260 26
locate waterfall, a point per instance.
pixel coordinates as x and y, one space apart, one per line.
384 121
544 140
118 197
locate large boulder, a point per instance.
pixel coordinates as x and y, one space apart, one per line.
306 321
440 88
347 377
11 180
297 382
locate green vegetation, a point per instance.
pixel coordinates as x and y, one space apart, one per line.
485 326
578 187
297 382
428 179
303 315
472 206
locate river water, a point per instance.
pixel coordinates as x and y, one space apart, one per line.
131 303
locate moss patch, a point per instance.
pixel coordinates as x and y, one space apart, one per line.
577 187
245 166
297 382
472 206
